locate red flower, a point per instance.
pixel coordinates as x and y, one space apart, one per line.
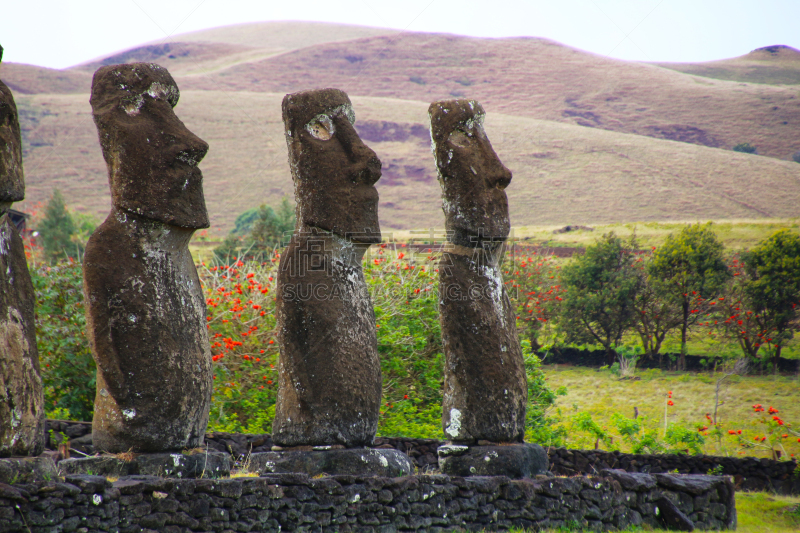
670 403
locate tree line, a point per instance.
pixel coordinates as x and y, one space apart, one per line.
615 291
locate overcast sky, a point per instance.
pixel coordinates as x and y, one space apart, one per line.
61 33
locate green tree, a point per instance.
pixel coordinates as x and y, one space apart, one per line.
244 222
689 269
601 286
270 227
773 290
257 231
57 229
654 318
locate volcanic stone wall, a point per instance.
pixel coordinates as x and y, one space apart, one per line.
749 473
295 502
694 363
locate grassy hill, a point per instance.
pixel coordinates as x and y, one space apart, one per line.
590 140
535 78
774 65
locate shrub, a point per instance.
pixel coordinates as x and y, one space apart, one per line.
746 148
68 370
796 157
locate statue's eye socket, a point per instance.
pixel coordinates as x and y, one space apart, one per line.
460 137
321 127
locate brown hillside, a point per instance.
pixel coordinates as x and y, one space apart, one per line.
30 79
283 35
183 58
563 173
587 137
536 78
774 65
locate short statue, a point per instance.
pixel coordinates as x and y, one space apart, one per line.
329 389
21 398
485 385
146 315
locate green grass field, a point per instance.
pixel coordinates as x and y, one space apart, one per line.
601 393
734 234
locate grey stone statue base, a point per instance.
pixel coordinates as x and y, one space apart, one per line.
350 461
516 461
27 469
198 465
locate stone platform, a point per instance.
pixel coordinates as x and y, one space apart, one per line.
350 461
27 469
198 465
612 501
516 461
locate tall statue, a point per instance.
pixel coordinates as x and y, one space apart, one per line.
485 384
21 397
146 315
330 377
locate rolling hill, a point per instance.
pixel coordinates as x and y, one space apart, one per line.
589 139
774 65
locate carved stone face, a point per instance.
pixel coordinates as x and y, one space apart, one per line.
151 156
334 172
12 180
472 177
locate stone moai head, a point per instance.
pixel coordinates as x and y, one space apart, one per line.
472 177
151 156
12 180
334 172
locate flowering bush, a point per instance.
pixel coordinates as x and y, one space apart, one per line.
67 367
771 432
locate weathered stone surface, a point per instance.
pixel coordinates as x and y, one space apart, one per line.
695 484
27 469
21 399
351 462
104 465
196 465
152 157
672 517
516 461
485 389
145 307
330 380
12 179
631 481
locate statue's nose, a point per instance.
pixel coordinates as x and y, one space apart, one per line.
501 177
358 152
497 174
188 147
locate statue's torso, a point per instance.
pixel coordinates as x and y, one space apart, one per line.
146 316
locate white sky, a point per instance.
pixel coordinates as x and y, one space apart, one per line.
61 33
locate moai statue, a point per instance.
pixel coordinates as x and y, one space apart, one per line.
330 377
146 315
329 389
21 398
485 385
